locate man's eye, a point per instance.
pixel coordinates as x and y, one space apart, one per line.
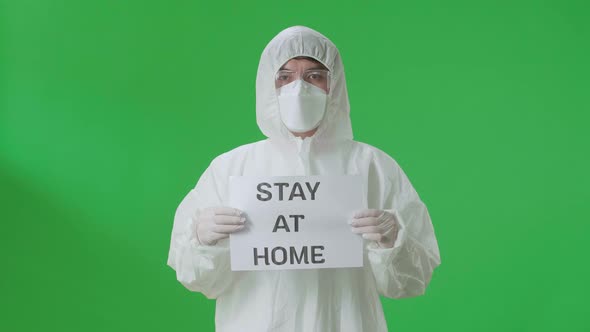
315 76
283 77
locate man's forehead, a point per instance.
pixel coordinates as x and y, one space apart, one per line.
309 63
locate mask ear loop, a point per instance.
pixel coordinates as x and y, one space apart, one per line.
322 128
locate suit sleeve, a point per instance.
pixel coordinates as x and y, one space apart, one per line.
406 269
198 267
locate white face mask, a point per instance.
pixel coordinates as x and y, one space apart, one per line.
302 105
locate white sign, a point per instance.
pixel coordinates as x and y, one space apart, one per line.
296 222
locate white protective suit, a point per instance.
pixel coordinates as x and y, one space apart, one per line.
321 300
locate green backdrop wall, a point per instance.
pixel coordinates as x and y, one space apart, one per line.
110 111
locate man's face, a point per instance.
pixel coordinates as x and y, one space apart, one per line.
305 68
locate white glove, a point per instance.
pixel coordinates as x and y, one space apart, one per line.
214 224
376 225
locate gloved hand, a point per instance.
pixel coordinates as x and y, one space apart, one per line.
214 224
376 225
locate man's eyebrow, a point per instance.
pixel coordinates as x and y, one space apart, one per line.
318 67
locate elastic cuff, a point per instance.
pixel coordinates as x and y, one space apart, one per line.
401 235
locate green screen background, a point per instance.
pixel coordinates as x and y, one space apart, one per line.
111 110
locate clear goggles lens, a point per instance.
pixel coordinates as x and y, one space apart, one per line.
317 77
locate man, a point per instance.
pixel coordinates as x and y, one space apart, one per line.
302 108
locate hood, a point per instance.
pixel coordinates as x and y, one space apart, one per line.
289 43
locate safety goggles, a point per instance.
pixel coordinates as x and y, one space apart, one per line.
317 77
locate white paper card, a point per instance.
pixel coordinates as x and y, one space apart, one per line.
296 222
